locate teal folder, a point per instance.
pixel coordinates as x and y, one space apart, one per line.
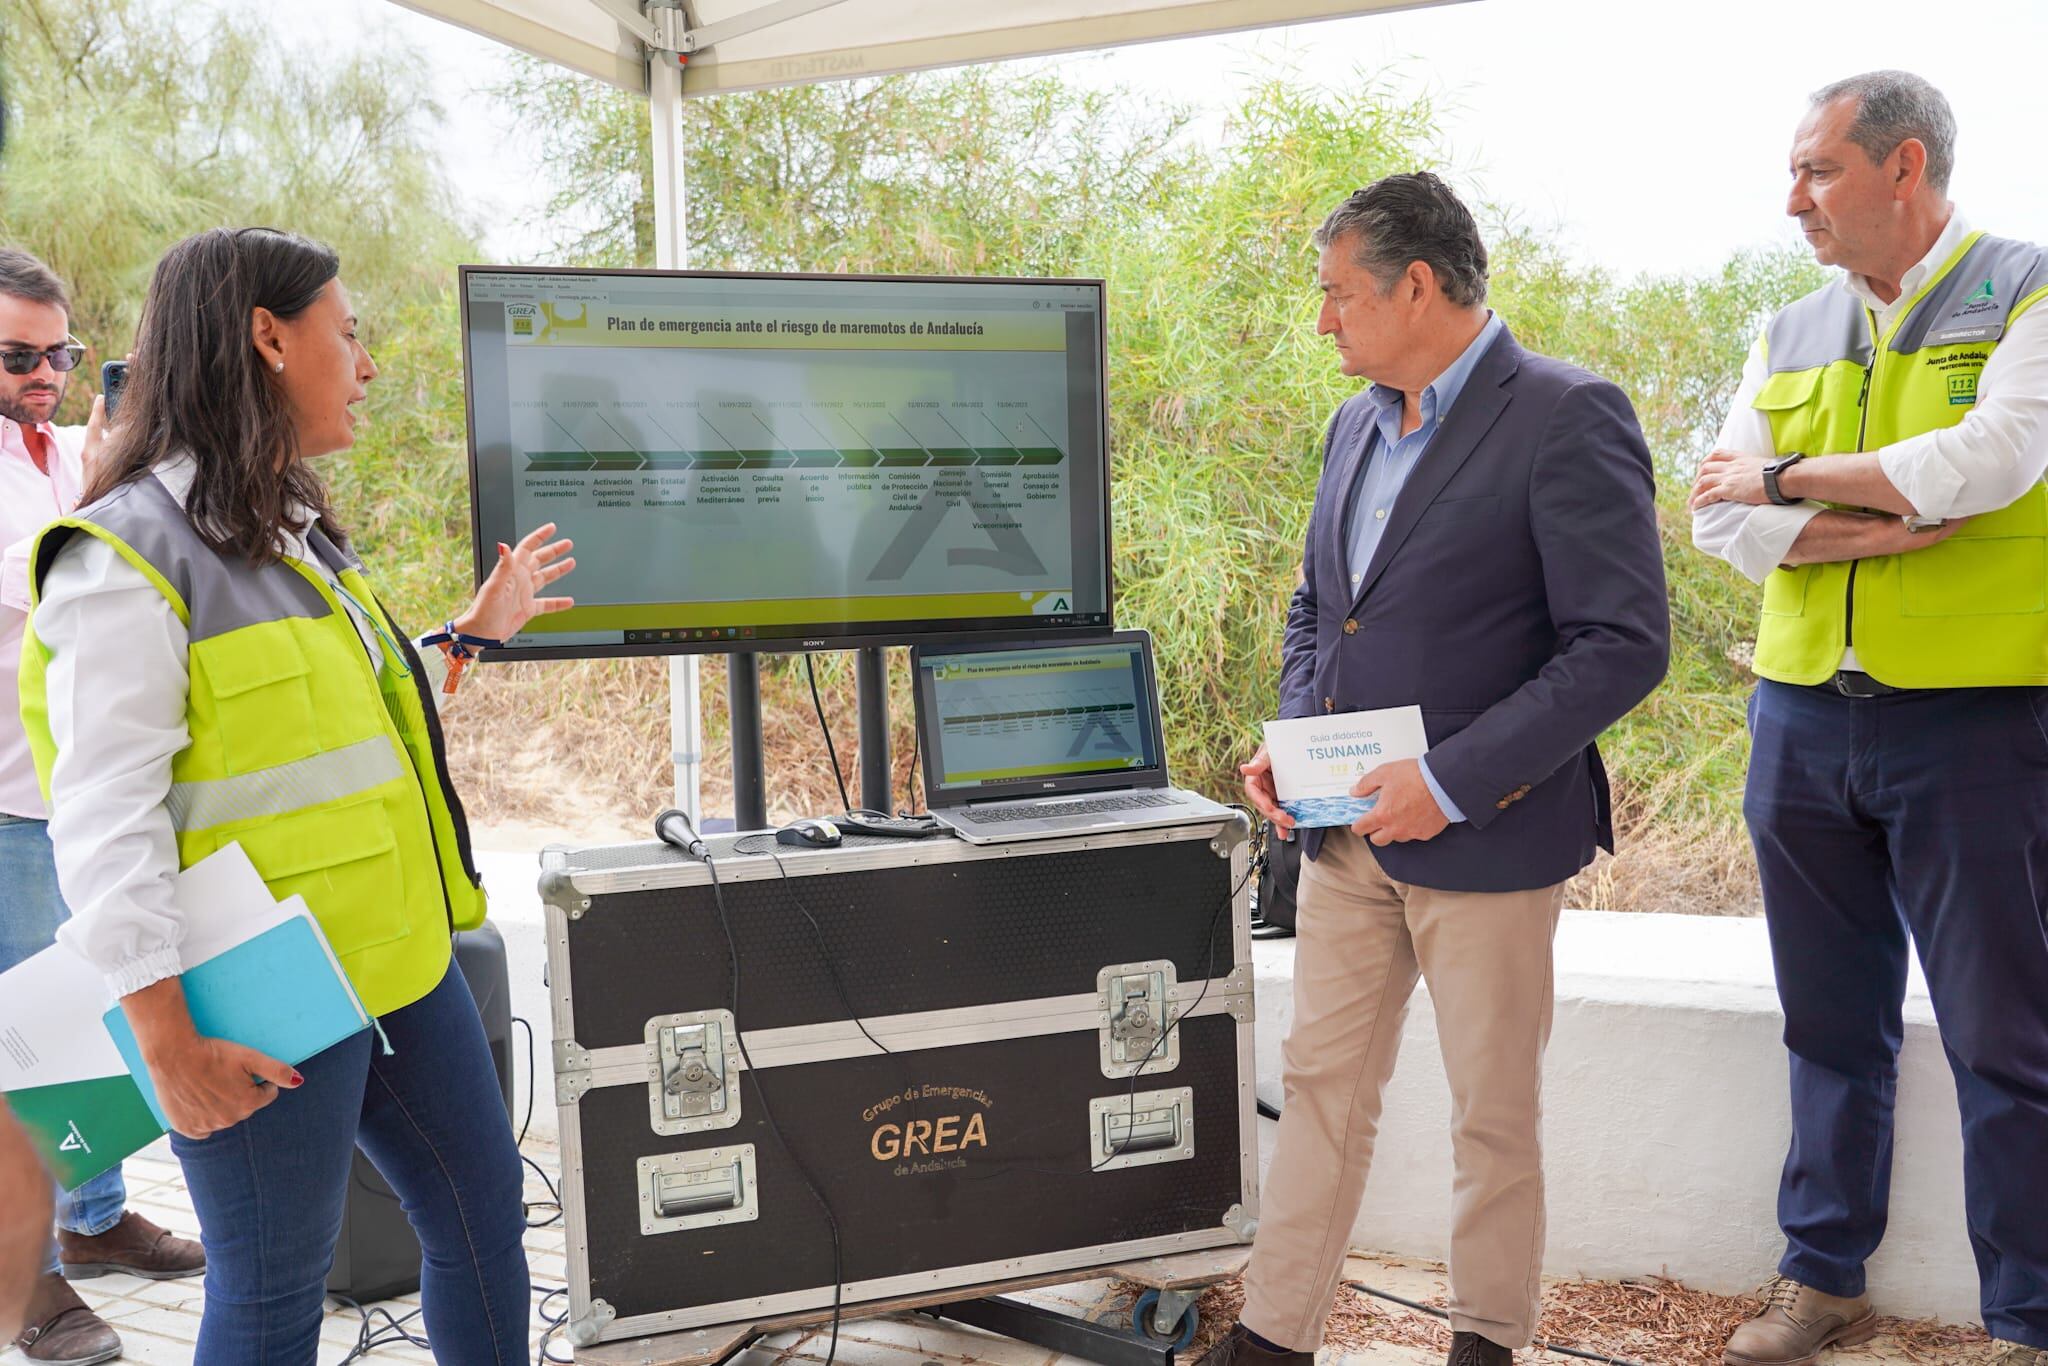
278 993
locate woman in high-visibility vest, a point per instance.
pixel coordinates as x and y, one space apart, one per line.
208 666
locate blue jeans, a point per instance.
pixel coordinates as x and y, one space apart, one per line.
269 1192
30 912
1881 824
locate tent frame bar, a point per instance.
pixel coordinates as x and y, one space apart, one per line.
630 18
693 40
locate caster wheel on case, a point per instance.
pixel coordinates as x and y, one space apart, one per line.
1184 1331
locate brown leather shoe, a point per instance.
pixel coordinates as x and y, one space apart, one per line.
62 1331
133 1247
1239 1350
1470 1349
1797 1321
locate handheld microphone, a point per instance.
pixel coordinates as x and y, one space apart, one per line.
673 827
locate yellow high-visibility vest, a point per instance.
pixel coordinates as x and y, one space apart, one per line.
1971 611
327 772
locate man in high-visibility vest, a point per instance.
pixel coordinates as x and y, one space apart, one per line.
1881 474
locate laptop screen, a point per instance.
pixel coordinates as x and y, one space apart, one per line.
1038 719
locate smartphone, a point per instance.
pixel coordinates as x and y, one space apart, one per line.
113 378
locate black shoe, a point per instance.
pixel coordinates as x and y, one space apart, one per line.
1238 1349
1469 1349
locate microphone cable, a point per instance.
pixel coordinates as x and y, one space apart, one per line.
691 843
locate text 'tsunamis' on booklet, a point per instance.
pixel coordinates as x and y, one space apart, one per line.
1316 759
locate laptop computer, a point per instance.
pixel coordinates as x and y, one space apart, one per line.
1025 742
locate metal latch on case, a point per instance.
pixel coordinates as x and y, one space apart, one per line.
692 1071
1135 1010
1137 1029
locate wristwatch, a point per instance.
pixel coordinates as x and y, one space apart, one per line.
1916 524
1771 472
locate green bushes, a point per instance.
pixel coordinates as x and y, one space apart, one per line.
1219 386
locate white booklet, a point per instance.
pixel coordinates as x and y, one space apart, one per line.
61 1067
1316 759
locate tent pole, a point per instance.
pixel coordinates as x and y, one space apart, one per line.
671 252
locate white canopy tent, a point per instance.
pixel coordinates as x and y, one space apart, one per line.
752 44
671 49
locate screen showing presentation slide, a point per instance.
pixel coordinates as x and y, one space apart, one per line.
1009 716
757 462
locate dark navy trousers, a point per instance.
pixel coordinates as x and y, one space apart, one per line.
1921 814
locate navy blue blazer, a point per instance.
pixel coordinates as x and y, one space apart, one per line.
1517 596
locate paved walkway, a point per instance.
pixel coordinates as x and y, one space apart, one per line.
159 1320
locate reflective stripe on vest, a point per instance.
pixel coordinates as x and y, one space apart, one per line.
286 788
1972 610
322 768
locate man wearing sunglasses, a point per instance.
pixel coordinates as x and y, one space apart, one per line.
43 470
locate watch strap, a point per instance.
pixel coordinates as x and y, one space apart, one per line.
1772 469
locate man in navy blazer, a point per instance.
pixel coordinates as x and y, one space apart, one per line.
1483 545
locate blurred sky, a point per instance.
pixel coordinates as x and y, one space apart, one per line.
1650 134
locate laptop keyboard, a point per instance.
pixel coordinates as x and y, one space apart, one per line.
1127 802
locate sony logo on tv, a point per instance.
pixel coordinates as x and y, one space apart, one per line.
814 644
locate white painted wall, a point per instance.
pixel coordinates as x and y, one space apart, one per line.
1665 1119
1665 1100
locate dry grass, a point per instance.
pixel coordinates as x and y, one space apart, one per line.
1654 1321
525 738
1355 1322
1707 870
1660 1321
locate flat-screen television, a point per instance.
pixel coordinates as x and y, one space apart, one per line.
789 462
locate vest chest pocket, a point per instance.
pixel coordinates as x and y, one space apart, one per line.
262 699
344 861
1787 401
1785 591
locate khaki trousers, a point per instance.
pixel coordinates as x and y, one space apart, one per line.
1362 941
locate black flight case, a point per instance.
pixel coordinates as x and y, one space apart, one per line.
960 1044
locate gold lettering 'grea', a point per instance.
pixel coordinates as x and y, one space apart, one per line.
924 1136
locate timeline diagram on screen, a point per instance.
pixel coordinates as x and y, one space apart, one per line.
897 477
746 463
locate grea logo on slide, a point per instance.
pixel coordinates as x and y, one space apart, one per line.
522 322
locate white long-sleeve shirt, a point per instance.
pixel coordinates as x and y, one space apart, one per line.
1985 462
117 683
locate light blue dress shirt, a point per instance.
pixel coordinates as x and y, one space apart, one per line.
1390 458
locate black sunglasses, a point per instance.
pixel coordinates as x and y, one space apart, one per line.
61 358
